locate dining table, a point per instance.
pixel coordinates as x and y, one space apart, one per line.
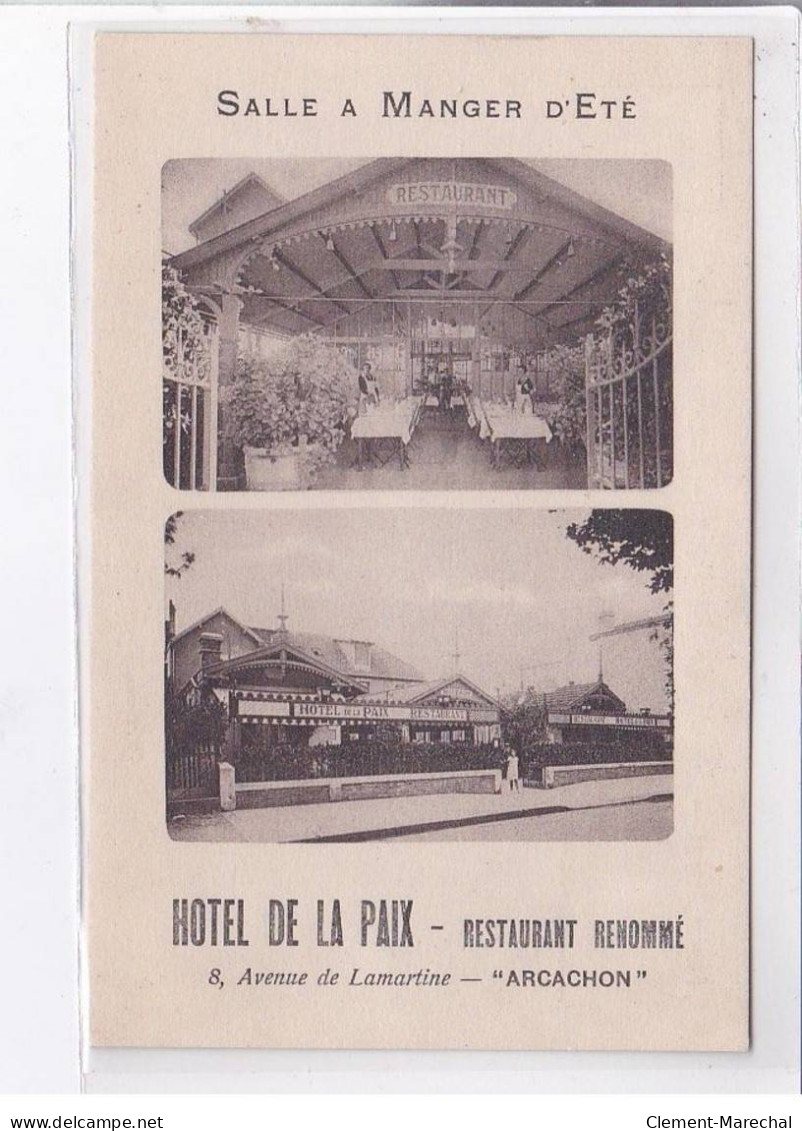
391 422
519 435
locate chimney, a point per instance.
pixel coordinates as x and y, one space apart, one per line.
211 648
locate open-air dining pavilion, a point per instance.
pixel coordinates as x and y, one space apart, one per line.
516 334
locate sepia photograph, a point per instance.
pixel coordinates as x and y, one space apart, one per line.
476 680
411 323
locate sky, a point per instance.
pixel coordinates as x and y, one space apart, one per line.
518 595
639 191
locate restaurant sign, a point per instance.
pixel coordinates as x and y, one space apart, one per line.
378 712
367 712
451 192
639 721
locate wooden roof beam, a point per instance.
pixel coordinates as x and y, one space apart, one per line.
327 324
603 269
543 271
439 297
528 313
286 262
344 263
523 233
291 307
384 255
441 264
473 250
586 317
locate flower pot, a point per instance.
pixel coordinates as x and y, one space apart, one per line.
282 470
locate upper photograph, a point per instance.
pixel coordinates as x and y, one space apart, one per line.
410 323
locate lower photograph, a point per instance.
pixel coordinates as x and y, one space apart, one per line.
417 674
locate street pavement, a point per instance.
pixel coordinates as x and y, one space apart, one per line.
639 820
596 810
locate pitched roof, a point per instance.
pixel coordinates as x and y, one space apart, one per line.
271 200
383 664
219 611
419 692
359 179
323 247
574 694
326 649
276 647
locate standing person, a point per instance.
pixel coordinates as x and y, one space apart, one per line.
432 385
531 370
446 385
368 387
528 390
512 771
524 389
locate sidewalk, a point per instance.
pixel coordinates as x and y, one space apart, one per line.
373 819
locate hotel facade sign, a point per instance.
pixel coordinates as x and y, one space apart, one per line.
640 721
451 192
365 712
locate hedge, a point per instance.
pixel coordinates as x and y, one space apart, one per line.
285 762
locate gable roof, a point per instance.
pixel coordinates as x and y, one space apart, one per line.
575 694
383 664
319 648
219 611
554 258
419 693
272 200
381 168
277 648
292 210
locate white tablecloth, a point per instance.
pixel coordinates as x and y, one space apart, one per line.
504 423
388 421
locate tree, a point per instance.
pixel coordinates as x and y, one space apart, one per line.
643 539
524 723
172 568
665 641
196 725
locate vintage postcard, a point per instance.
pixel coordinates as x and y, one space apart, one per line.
395 732
463 299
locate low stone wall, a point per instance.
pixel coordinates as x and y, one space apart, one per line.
412 785
264 795
547 777
314 791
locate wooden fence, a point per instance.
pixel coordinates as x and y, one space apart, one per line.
193 774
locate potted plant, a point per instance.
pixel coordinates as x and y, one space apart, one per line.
566 414
289 413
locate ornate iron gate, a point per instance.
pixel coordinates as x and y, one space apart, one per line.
629 400
189 391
